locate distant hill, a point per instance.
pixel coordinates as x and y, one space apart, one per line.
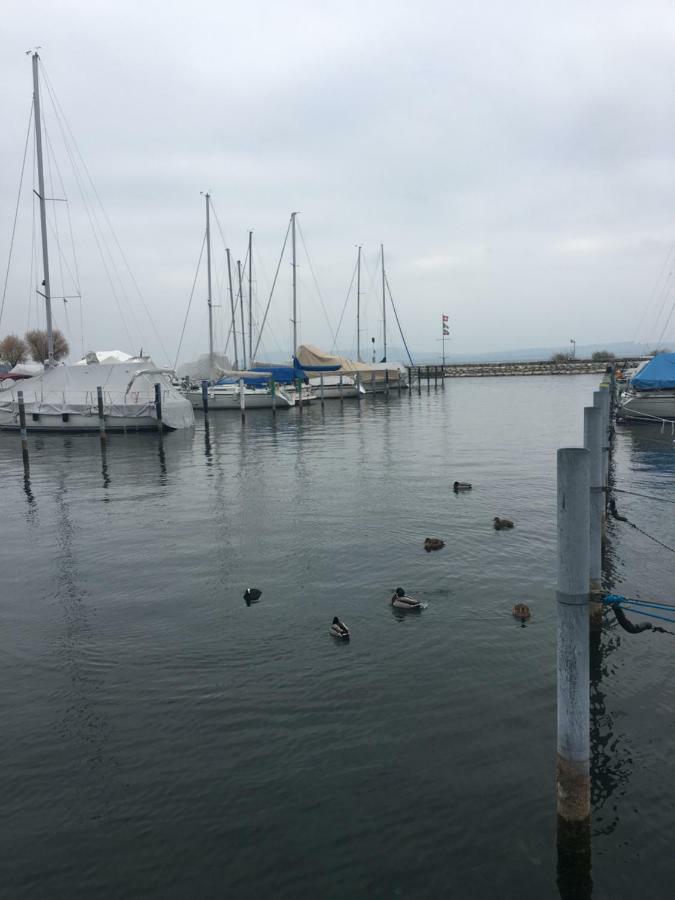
583 351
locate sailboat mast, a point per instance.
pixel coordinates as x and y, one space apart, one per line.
295 289
384 308
358 305
43 211
250 297
241 302
234 321
207 198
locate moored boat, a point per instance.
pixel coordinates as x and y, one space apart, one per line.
650 394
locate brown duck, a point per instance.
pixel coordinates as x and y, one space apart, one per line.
502 523
433 544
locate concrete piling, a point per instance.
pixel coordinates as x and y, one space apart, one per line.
321 392
205 397
573 747
593 443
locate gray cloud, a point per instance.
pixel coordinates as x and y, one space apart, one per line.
516 159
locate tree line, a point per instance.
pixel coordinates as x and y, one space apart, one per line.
14 349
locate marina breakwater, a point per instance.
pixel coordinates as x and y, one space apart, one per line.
531 367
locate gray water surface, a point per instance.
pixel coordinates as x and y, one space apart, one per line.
162 739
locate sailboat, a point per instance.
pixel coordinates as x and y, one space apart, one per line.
371 378
225 388
64 398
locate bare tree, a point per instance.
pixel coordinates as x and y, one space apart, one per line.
38 344
13 350
601 355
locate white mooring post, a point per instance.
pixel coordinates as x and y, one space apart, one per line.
242 400
573 757
593 443
322 397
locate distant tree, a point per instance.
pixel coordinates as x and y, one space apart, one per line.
561 357
657 351
13 350
38 344
601 355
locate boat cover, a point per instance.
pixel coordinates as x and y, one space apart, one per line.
311 357
658 374
128 392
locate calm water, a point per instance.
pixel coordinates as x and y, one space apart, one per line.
161 739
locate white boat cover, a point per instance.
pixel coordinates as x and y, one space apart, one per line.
307 355
104 356
128 392
27 368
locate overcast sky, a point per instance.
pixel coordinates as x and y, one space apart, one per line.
516 159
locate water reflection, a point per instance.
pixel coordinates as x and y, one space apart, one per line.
104 466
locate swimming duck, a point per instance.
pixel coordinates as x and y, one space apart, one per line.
339 630
251 595
502 523
521 611
400 601
433 544
461 486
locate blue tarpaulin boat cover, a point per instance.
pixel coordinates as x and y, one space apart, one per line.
656 375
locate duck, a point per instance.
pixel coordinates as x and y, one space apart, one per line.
339 630
400 601
433 544
252 595
521 611
461 486
502 523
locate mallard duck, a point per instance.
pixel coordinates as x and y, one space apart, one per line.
400 601
521 611
339 630
461 486
502 523
433 544
251 595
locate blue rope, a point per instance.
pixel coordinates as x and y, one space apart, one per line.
638 606
647 613
618 598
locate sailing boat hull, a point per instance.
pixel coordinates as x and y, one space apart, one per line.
230 399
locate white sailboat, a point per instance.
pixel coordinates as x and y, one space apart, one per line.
64 398
225 388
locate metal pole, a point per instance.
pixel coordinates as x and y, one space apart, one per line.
242 400
234 320
358 304
593 443
101 416
573 757
43 211
241 302
384 308
208 280
158 405
205 397
295 289
321 391
250 297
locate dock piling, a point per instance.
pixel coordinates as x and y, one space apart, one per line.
593 443
242 400
158 405
273 392
321 391
342 399
101 416
205 397
573 748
